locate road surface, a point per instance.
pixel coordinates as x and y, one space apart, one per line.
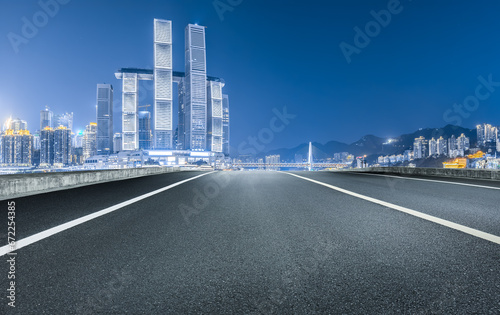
258 243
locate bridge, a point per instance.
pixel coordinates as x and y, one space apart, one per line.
309 165
257 243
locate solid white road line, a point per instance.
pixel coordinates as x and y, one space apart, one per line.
57 229
427 180
462 228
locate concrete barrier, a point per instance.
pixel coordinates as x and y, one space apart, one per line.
441 172
18 185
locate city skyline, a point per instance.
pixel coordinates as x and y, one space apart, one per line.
243 157
396 108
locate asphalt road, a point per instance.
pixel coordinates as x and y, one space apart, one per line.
258 243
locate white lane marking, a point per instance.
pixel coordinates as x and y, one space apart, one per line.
57 229
427 180
449 224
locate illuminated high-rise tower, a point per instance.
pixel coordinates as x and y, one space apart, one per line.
214 115
163 135
195 101
104 119
225 124
46 116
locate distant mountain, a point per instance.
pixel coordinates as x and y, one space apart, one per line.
373 146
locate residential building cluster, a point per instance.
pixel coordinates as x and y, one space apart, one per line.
457 148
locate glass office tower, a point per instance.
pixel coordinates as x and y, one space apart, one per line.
145 134
163 134
195 116
104 119
214 123
46 116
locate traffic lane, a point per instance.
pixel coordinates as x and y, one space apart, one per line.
266 243
40 212
463 180
474 207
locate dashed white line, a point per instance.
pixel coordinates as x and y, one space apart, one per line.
57 229
462 228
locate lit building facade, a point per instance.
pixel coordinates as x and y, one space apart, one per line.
433 147
486 133
463 143
46 117
225 125
163 134
104 117
214 116
442 145
419 148
65 120
16 148
195 99
130 105
16 125
90 140
62 146
117 142
46 147
181 130
203 109
145 133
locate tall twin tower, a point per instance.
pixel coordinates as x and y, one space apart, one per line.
203 121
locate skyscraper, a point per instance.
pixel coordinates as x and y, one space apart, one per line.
16 148
90 140
433 147
163 84
62 146
196 121
498 141
36 140
419 148
46 116
181 130
145 134
104 118
17 125
485 133
130 104
452 143
47 147
195 115
442 145
463 143
225 124
65 120
215 113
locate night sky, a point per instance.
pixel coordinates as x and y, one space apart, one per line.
426 59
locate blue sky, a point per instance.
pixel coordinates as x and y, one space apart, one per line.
283 53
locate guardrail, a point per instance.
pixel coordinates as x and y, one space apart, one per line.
442 172
18 185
